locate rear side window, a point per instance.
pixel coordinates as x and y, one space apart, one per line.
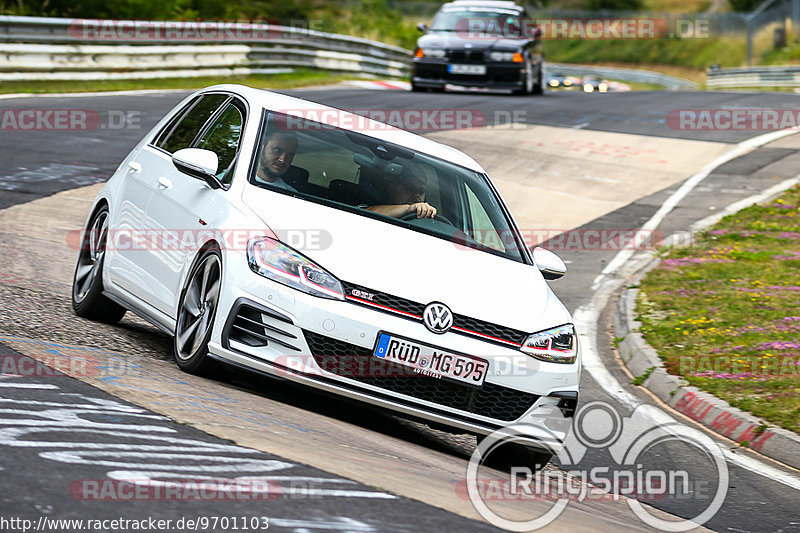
183 132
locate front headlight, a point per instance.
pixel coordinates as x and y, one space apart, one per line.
435 53
506 56
276 261
556 345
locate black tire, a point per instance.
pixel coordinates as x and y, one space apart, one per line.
538 87
528 86
416 88
196 311
87 282
510 454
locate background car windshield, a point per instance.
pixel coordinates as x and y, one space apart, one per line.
355 172
483 22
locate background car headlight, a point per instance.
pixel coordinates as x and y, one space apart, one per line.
435 53
515 57
276 261
556 345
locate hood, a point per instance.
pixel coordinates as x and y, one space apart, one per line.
452 40
399 261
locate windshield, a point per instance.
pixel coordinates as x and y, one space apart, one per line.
495 22
354 172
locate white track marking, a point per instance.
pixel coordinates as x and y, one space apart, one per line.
741 204
742 148
26 386
625 263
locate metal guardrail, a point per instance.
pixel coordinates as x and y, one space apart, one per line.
623 74
35 48
58 49
781 76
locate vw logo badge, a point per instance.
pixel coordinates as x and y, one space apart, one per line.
437 317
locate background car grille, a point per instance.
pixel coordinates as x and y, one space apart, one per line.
401 306
490 400
464 56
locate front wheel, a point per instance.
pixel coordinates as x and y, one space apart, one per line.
512 454
538 87
196 311
527 82
87 284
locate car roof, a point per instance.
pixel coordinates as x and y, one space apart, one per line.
487 4
300 107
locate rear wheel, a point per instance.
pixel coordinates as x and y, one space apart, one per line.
196 311
87 284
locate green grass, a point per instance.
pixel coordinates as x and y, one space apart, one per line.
693 53
298 78
638 380
724 313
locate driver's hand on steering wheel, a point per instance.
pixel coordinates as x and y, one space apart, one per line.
422 210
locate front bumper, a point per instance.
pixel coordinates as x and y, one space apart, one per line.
433 74
328 344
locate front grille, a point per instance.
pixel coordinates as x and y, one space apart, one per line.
464 56
389 303
357 363
259 327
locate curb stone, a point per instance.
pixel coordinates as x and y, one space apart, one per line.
717 415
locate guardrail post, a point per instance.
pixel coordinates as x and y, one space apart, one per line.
796 19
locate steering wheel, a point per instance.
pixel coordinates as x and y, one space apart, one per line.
410 216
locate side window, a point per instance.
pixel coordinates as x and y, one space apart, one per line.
164 133
222 138
480 224
184 132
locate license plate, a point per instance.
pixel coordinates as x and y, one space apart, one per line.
466 69
431 361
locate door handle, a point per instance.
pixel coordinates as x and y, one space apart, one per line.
164 183
134 167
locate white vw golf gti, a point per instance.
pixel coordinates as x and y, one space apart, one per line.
297 240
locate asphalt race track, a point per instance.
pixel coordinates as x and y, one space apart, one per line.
344 468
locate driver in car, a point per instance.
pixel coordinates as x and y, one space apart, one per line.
276 158
407 196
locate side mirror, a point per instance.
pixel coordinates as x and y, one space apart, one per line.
198 163
422 27
550 265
